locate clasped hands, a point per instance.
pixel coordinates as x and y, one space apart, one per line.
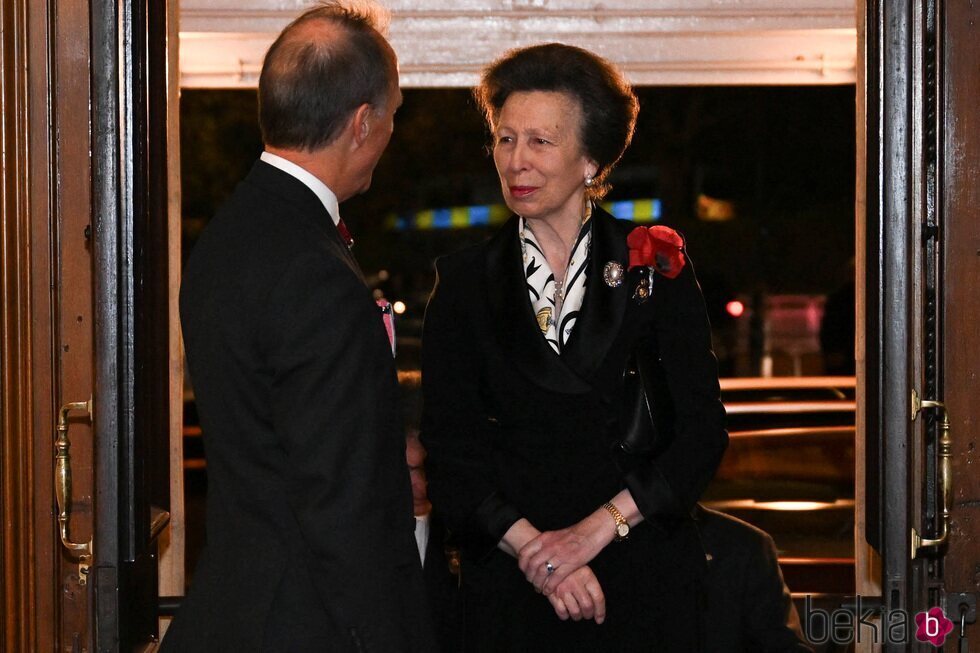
572 587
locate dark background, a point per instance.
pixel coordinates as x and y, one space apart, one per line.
783 155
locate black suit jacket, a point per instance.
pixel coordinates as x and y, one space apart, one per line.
513 430
481 341
747 604
310 543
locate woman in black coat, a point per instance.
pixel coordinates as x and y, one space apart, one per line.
568 543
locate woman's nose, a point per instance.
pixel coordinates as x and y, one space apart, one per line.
518 157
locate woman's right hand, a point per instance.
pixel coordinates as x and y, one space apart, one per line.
579 597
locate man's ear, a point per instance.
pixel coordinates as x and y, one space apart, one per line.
361 124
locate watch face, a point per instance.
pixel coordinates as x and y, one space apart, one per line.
622 530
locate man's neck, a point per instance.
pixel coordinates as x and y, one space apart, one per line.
322 164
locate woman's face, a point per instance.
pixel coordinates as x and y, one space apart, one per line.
539 155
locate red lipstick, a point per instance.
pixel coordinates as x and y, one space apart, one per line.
522 191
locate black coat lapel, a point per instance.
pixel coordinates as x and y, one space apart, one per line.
602 310
516 326
307 206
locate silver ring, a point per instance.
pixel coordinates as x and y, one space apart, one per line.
548 567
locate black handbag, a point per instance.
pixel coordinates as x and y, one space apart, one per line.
646 420
646 423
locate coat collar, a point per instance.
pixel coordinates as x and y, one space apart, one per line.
602 311
598 322
306 205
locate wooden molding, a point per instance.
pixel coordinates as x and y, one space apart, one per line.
867 568
18 599
172 558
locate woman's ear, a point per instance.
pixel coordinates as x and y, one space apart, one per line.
591 169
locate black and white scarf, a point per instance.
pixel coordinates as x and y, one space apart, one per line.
556 325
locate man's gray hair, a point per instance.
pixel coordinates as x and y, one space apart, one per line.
326 63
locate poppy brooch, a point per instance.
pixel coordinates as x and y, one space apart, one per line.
658 249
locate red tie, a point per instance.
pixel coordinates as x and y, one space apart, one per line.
345 233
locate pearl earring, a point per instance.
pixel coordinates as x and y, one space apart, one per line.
589 180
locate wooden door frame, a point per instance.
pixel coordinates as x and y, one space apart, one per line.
959 141
172 541
918 243
890 280
16 401
31 564
33 49
50 72
867 563
134 299
901 308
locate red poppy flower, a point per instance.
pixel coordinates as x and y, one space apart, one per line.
658 247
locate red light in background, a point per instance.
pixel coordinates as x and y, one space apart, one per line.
735 308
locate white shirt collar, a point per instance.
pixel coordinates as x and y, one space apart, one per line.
422 535
321 190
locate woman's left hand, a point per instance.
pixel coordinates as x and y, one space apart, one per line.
579 597
566 550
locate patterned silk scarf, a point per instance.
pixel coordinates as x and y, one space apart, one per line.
556 327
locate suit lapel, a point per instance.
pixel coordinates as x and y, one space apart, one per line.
602 310
516 327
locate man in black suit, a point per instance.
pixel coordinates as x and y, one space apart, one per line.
748 608
310 526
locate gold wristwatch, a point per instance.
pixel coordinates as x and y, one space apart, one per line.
622 526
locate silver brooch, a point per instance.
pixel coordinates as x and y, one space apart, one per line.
612 274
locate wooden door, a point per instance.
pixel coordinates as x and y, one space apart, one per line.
920 339
86 334
131 294
958 187
48 337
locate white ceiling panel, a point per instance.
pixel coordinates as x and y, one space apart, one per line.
446 42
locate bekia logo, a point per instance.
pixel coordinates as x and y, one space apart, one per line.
933 627
862 622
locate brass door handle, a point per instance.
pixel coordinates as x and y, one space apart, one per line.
62 485
945 472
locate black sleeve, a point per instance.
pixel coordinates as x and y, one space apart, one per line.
670 484
455 428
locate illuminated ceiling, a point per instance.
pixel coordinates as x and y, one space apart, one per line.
657 42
